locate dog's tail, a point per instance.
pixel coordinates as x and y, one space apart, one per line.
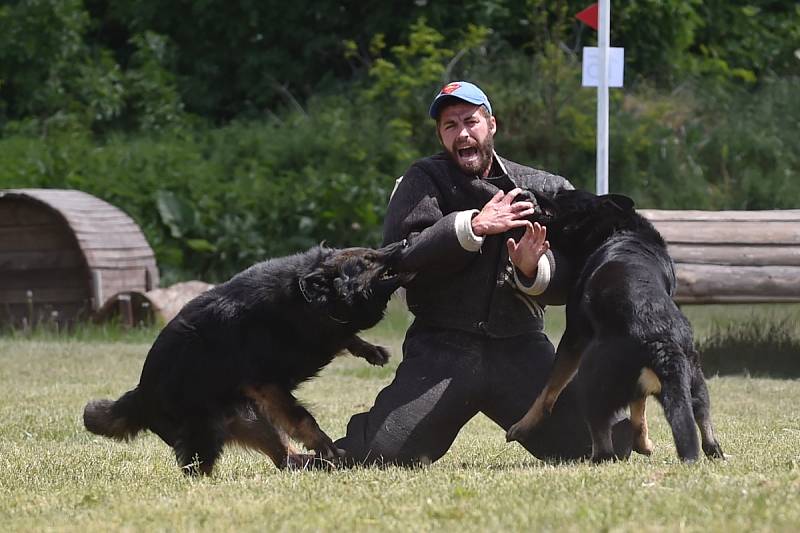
120 420
673 370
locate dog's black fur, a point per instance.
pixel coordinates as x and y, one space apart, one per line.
622 320
224 369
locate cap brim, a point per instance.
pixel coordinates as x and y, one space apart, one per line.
440 100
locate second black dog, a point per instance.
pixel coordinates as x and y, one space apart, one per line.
223 370
623 329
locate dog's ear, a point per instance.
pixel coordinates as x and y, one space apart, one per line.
315 286
545 205
618 201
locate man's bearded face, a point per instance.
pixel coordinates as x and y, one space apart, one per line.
467 134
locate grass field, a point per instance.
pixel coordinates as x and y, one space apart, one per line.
56 476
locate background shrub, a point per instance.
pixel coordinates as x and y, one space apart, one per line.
250 143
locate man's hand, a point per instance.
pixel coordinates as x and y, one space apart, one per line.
525 254
500 214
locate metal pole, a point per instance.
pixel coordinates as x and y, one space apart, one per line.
604 19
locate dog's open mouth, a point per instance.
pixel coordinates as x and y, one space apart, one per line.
389 276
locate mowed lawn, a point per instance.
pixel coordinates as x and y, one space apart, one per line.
56 476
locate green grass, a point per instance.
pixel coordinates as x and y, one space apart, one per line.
56 476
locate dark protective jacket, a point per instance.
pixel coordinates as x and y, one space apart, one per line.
457 288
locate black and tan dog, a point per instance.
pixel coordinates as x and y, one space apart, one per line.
224 369
623 329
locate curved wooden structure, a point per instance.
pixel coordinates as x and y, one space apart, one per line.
133 308
733 256
64 252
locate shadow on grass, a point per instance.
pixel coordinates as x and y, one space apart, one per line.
759 347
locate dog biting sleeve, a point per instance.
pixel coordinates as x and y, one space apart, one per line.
540 283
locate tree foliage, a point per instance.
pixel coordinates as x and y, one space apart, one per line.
236 130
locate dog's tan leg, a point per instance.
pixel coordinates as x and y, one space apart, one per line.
641 440
567 362
260 434
286 413
647 384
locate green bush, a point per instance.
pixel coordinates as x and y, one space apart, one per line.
219 199
213 199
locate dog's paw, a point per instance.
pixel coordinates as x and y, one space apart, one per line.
599 457
643 447
306 461
378 355
330 455
517 433
299 461
713 450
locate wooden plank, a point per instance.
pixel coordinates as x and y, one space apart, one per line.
113 257
736 299
86 227
40 259
124 263
90 210
39 237
728 254
75 215
96 240
777 215
115 281
767 282
109 243
41 296
44 278
738 233
22 211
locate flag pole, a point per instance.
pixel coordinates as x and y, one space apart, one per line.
602 96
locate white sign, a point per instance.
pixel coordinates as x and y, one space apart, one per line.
591 66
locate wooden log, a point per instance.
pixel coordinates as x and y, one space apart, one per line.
167 302
777 215
161 303
708 283
736 233
731 254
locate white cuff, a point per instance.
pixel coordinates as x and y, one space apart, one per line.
466 237
542 280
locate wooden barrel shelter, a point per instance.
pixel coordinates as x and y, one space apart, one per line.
733 256
63 253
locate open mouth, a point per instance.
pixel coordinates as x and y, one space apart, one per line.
389 276
469 152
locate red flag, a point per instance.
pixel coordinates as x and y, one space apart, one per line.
589 16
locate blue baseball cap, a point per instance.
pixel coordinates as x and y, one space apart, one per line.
459 90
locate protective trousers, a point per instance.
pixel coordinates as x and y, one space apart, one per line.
445 378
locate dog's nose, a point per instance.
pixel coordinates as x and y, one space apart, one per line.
393 250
